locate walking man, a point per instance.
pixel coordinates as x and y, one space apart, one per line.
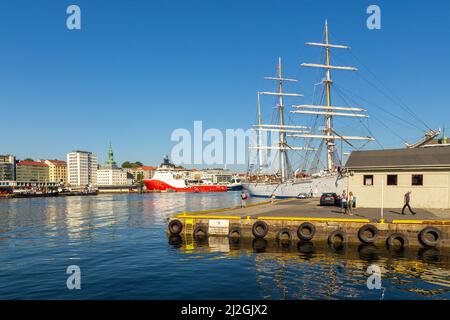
243 199
272 198
407 200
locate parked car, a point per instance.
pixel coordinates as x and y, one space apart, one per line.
329 199
303 195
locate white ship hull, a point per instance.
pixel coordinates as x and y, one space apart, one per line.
315 186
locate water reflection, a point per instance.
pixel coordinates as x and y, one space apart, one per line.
119 242
305 270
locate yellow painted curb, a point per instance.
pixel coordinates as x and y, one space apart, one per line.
442 222
314 219
193 216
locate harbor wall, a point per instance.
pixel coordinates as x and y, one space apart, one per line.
323 228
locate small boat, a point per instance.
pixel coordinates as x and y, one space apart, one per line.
234 184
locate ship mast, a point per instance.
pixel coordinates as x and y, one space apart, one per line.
328 117
281 128
259 132
282 134
328 110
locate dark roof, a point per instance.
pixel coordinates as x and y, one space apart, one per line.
392 158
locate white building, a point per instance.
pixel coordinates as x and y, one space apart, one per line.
107 176
110 174
82 169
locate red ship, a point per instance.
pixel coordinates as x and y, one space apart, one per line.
168 178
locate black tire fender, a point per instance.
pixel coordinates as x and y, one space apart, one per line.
199 230
284 231
337 234
260 229
436 233
235 232
304 236
175 227
364 238
400 237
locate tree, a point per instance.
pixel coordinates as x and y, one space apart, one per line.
126 165
139 181
28 159
131 165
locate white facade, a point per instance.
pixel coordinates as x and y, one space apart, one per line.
111 177
82 168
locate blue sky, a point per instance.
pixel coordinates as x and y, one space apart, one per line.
140 69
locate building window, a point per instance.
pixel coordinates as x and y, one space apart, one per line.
368 180
392 180
417 180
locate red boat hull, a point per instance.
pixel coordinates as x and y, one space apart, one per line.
158 185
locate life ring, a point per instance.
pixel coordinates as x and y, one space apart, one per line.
397 237
434 233
175 227
337 234
200 231
368 228
235 233
284 232
260 229
306 236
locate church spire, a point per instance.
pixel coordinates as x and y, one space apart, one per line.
110 156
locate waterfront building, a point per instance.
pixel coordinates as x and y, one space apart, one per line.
216 176
146 171
384 176
29 171
7 167
81 169
57 171
110 174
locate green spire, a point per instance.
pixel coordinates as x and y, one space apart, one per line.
110 156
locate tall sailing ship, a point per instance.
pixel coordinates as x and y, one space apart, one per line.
286 183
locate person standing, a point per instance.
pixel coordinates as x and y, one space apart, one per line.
243 199
407 199
350 202
344 201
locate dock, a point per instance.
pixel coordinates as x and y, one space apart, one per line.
305 220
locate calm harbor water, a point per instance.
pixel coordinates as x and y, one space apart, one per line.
119 242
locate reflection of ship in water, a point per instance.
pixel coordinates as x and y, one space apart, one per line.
305 270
